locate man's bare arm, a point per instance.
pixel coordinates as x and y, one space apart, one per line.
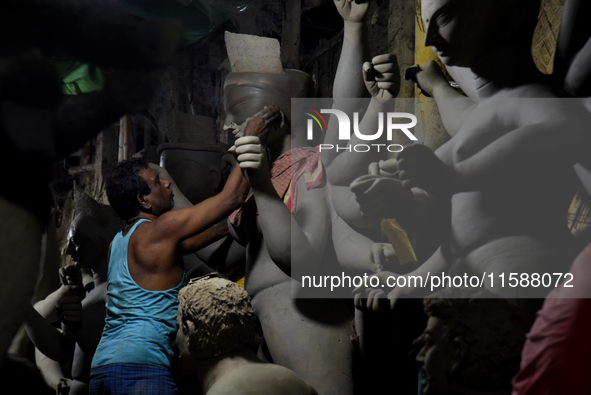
203 239
176 226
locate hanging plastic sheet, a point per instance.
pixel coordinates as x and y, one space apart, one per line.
199 17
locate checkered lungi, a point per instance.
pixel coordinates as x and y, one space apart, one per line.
131 379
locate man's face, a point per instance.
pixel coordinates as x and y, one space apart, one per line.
161 195
456 29
436 356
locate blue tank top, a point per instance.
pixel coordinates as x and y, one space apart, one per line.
140 326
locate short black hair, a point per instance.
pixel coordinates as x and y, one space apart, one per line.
124 184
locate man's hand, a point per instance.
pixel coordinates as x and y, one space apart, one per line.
352 10
419 167
381 197
69 311
382 77
265 123
428 77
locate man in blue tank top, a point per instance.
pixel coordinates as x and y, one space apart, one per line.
146 272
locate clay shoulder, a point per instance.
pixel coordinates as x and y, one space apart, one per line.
534 90
262 378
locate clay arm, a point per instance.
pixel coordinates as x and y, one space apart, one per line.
573 52
382 80
310 228
50 370
352 248
49 340
48 311
299 240
348 82
453 107
87 336
288 239
578 79
46 307
225 255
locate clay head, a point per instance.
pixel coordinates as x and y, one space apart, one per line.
473 341
215 317
133 186
257 80
462 32
91 231
86 244
247 93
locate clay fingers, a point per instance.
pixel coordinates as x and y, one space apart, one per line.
249 151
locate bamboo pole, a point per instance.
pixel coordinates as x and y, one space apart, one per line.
125 138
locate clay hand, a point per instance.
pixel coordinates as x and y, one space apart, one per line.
380 197
381 254
69 311
387 168
375 299
71 275
419 167
372 299
265 123
351 10
63 387
399 292
428 77
382 76
252 158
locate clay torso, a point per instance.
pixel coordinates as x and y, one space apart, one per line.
523 210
